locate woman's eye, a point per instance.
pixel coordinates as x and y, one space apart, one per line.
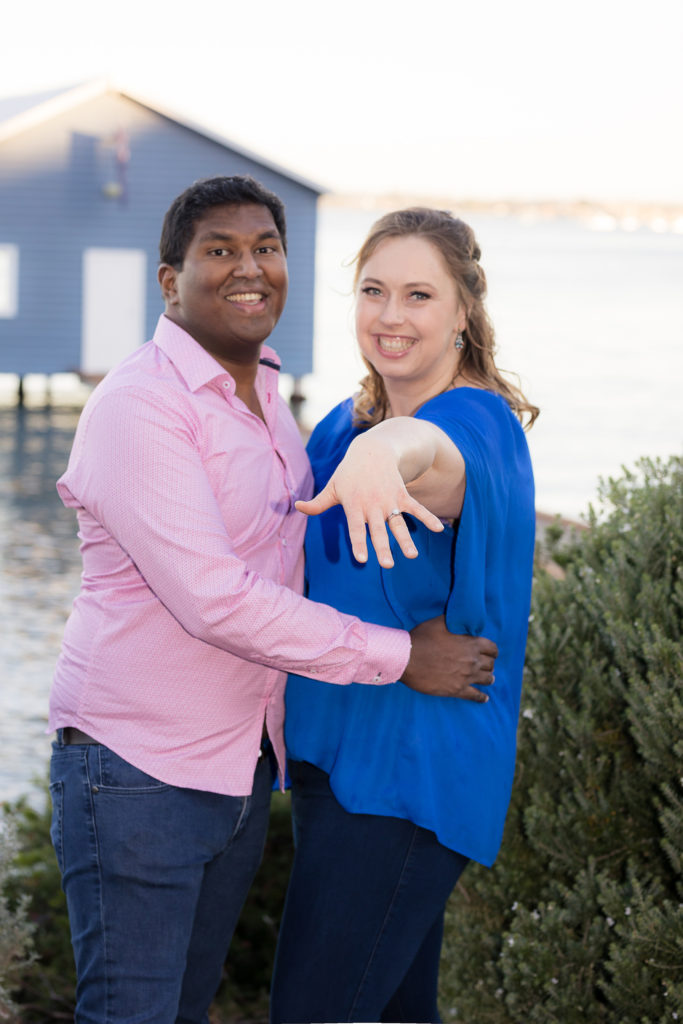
370 289
419 295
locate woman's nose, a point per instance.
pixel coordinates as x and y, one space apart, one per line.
392 312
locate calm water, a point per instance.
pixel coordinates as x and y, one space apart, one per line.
39 576
593 323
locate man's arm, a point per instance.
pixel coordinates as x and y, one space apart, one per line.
445 665
147 486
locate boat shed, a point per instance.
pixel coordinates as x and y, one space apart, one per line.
86 175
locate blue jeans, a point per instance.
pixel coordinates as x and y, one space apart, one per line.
155 877
361 933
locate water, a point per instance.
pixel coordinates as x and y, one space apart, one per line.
593 324
39 577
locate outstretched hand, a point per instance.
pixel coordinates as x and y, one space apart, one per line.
369 488
444 664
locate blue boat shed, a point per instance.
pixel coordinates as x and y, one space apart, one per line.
86 175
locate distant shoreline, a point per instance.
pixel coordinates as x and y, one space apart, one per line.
599 215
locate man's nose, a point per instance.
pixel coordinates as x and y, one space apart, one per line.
247 265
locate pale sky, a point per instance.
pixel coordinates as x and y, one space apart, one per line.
488 99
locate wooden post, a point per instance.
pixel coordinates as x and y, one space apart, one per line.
297 399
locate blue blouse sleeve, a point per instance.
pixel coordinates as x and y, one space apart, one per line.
495 542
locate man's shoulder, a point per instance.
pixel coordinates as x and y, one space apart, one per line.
145 378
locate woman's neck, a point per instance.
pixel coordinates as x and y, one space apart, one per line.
406 397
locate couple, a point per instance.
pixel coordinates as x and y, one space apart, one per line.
189 477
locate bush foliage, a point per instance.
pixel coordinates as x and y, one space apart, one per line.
15 930
581 919
34 904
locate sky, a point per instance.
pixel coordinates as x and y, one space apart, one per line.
491 99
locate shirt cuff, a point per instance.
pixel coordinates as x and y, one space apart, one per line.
386 655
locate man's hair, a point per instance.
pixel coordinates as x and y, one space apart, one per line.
191 205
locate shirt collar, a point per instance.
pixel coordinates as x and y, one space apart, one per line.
196 366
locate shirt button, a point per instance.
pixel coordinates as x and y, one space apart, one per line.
378 678
284 542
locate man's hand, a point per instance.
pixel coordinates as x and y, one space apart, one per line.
445 665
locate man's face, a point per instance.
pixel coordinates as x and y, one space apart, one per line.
233 284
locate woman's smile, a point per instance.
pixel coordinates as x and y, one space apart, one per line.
394 344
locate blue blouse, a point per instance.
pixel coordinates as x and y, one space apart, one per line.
444 763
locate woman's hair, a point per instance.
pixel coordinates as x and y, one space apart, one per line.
456 242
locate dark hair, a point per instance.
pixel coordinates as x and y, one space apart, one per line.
236 190
459 248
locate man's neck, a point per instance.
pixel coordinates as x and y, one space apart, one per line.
245 384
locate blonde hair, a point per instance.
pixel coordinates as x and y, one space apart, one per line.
456 242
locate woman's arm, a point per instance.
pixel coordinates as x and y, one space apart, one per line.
403 463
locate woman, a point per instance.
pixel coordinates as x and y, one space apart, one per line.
393 791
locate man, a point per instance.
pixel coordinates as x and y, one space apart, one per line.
184 472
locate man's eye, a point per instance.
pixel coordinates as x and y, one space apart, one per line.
219 252
266 249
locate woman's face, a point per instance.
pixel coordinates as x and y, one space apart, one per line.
408 315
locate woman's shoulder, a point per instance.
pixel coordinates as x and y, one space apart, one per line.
479 422
472 407
468 397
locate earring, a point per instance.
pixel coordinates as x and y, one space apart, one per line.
459 343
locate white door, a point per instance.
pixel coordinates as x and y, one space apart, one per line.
113 307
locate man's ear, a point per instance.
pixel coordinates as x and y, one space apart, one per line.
167 276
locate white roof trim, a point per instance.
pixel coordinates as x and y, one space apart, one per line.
71 97
41 112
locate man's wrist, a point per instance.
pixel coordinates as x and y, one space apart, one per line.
387 655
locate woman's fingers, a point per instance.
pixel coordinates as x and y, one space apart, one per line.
399 528
377 527
326 499
422 513
363 510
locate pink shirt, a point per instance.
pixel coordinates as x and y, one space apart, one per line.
190 613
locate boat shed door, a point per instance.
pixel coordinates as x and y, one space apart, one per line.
113 322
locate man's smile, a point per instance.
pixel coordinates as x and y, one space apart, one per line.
246 298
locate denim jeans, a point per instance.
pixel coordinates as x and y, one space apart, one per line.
361 933
155 877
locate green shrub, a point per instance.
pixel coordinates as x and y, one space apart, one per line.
46 984
15 930
581 918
